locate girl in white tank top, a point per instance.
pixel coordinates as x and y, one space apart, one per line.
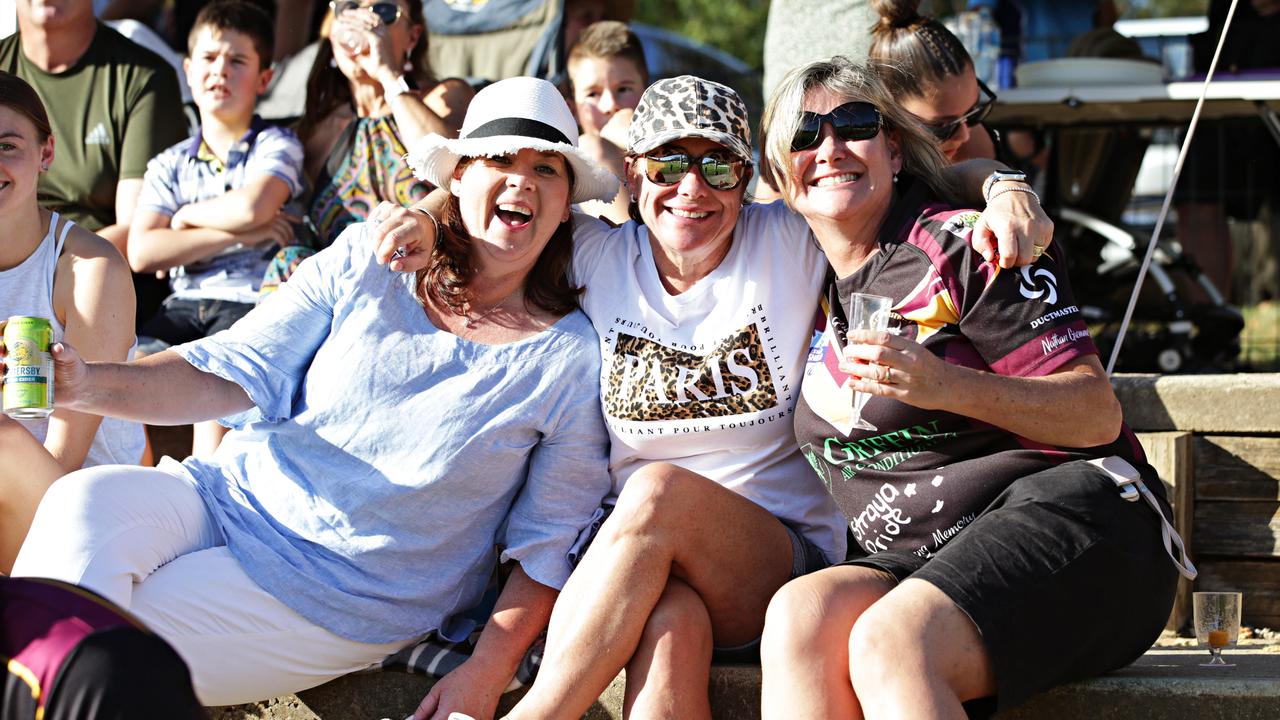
51 268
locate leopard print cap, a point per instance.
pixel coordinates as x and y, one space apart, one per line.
689 106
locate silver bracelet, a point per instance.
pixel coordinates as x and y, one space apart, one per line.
1013 188
434 222
400 252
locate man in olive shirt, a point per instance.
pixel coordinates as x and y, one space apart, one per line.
112 104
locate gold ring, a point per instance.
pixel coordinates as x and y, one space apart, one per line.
1037 251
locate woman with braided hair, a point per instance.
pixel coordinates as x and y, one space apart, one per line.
931 76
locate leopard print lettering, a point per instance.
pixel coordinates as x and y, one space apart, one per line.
649 381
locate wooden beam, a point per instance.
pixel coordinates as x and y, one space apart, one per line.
1171 454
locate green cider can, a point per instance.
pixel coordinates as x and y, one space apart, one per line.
28 378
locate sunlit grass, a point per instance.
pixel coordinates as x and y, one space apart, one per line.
1260 341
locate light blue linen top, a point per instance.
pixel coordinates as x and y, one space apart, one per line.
385 458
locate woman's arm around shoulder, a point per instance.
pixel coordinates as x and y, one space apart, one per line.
1013 224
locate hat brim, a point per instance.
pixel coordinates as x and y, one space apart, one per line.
732 142
434 157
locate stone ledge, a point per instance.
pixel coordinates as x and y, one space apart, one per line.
1164 684
1240 403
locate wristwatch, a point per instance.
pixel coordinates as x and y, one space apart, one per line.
1001 176
399 87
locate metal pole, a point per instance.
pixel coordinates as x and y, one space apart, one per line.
1168 196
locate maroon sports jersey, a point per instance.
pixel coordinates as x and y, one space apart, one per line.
924 475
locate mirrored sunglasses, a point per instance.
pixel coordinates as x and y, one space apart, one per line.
387 12
721 170
851 121
979 112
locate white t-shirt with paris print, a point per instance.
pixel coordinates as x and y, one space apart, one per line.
708 379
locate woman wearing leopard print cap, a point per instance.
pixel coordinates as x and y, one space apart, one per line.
704 307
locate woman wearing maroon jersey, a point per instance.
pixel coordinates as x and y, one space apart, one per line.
980 507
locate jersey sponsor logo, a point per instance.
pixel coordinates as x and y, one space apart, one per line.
1035 283
961 225
811 454
882 452
1061 312
98 136
649 381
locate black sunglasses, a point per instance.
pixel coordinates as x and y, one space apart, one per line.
851 121
719 169
387 12
979 112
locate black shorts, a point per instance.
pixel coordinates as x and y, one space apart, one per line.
1064 579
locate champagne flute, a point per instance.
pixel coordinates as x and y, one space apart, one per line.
1217 620
868 312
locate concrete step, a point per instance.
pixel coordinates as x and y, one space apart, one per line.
1168 683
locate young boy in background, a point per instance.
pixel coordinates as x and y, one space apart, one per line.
607 74
212 207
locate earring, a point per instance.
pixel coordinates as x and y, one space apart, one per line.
895 177
333 62
408 63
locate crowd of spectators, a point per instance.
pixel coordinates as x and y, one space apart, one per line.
628 404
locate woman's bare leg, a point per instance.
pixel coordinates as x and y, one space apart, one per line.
804 654
915 654
26 473
669 523
669 673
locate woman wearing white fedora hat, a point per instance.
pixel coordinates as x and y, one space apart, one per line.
390 431
705 310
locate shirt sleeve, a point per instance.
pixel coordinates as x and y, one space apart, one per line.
155 122
268 351
1022 321
787 234
278 153
568 478
592 238
160 183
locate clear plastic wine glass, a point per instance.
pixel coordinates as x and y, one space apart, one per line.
867 312
1217 620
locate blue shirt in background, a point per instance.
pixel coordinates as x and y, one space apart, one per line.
386 458
189 172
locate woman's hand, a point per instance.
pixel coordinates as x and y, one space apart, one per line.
403 239
892 366
469 689
376 59
1011 228
69 371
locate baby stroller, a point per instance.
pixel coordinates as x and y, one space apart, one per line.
1181 322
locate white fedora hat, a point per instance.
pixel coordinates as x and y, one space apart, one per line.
508 116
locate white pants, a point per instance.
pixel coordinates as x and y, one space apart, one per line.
142 538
